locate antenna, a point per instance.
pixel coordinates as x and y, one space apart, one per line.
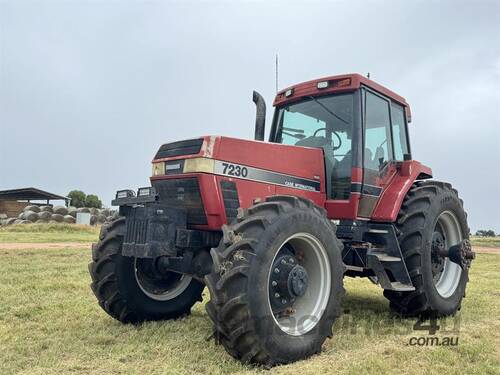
276 72
368 75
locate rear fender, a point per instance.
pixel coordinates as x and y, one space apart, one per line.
392 196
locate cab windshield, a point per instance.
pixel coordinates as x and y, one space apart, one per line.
327 123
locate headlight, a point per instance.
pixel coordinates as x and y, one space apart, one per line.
145 191
158 169
200 165
125 194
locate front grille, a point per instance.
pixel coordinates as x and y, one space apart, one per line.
182 193
231 200
136 231
189 147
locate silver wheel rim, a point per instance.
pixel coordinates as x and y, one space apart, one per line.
309 308
450 276
163 292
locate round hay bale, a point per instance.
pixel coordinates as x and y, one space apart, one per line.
44 215
53 222
69 219
94 211
61 210
83 209
30 215
10 221
58 218
17 221
101 218
46 209
32 208
72 211
42 221
21 216
106 212
25 222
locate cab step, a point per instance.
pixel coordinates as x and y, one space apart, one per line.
384 257
384 265
400 287
372 250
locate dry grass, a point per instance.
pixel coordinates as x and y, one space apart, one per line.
50 323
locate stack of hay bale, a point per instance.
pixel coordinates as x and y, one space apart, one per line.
60 214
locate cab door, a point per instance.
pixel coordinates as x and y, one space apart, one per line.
379 166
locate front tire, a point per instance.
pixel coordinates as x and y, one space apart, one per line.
261 316
432 215
129 289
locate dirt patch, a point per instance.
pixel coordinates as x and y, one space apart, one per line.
44 245
486 250
80 245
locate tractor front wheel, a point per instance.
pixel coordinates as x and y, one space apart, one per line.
131 290
277 286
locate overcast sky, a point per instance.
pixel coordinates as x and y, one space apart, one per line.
89 90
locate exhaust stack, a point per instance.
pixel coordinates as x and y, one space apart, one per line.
260 116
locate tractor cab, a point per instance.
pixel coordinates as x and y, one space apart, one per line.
361 128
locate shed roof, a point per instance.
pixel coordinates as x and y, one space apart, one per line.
29 193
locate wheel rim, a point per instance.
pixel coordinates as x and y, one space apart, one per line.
446 274
304 313
160 287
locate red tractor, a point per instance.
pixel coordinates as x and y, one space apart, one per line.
271 228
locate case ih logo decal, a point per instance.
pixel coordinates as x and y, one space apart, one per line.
261 175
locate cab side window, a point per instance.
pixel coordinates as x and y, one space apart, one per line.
378 149
400 138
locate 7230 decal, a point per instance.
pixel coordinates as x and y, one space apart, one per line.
234 170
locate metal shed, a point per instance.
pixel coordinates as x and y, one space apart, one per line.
13 201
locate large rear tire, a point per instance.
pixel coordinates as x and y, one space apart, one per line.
432 215
130 290
277 285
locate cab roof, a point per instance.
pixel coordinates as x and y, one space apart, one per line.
336 84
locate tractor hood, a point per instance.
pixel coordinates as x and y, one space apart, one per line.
272 163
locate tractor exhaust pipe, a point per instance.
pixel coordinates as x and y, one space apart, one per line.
260 116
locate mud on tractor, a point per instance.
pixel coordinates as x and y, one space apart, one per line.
271 228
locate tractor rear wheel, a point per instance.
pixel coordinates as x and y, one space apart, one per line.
277 286
130 289
431 217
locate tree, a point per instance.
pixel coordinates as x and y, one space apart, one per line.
93 201
77 198
485 233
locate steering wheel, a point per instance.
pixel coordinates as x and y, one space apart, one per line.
335 148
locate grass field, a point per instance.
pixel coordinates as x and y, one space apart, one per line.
486 241
50 323
34 233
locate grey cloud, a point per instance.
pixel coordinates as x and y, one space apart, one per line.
89 90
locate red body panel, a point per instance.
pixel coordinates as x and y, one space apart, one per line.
305 162
394 191
346 209
301 162
297 161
